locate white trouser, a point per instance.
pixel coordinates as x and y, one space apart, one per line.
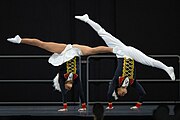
123 50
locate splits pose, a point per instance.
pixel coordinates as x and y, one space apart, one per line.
126 57
66 57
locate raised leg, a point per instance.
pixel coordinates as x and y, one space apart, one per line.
86 50
49 46
122 50
140 57
110 40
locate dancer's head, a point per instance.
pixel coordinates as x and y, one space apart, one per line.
123 84
68 84
121 91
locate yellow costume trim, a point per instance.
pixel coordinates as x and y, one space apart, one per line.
71 66
128 68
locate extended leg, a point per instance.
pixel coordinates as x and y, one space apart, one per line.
110 40
86 50
49 46
126 50
140 57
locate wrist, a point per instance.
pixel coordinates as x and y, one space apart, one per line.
138 104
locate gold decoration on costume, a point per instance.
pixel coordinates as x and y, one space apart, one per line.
128 68
71 66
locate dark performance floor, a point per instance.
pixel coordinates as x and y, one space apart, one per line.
40 111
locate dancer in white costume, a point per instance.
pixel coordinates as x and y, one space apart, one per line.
65 57
123 51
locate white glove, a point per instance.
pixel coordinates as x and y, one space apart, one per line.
84 18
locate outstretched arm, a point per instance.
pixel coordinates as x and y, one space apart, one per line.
141 92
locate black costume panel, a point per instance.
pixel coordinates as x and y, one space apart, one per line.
71 66
125 68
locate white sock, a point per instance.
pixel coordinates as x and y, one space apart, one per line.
16 39
108 38
84 18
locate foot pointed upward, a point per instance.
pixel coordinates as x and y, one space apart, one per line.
16 39
84 18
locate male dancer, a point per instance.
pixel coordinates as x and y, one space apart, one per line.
66 57
126 56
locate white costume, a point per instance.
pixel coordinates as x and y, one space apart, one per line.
67 54
121 50
58 59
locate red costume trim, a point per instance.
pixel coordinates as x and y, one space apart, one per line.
74 76
121 80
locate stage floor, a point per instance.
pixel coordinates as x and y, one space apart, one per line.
51 110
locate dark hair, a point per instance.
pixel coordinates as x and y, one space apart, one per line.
98 111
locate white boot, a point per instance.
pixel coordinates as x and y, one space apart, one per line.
16 39
84 18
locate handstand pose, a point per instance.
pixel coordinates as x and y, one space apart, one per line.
125 72
66 57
